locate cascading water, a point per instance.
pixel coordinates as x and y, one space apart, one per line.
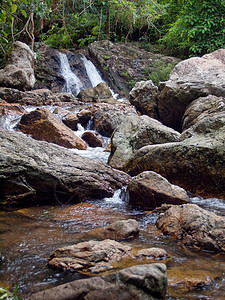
93 74
73 83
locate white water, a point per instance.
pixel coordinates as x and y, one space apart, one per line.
213 204
92 73
73 84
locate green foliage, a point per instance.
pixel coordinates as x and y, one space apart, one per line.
199 27
7 295
161 71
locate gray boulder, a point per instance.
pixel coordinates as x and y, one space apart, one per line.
190 79
135 283
99 93
194 226
196 163
135 132
39 172
19 71
202 108
144 97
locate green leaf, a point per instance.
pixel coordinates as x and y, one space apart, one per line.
24 1
24 13
13 8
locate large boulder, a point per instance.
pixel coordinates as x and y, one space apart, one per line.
42 125
135 283
135 132
190 79
144 96
124 64
149 190
19 71
196 163
202 108
38 172
99 93
194 226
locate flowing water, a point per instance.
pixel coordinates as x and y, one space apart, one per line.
29 235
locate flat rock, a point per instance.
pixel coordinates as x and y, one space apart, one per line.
33 171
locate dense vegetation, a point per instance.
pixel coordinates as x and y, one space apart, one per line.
177 27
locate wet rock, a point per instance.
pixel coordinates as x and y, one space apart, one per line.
93 139
11 109
35 97
201 108
149 190
190 79
194 226
99 93
19 71
196 163
135 132
68 118
144 97
123 64
32 172
107 118
84 116
92 256
41 124
152 253
134 283
118 230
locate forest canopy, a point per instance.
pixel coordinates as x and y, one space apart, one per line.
177 27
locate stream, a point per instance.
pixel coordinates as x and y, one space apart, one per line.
28 236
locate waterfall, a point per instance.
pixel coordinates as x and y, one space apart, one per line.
73 84
94 77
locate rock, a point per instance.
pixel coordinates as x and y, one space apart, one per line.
144 97
135 132
152 253
38 172
84 116
118 230
201 108
91 256
124 64
149 190
19 71
11 109
194 227
196 163
135 283
190 79
35 97
41 124
108 117
68 118
99 93
93 139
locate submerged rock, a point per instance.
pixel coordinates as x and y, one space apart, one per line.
149 190
190 79
38 172
135 283
118 230
19 71
135 132
144 96
194 226
42 125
